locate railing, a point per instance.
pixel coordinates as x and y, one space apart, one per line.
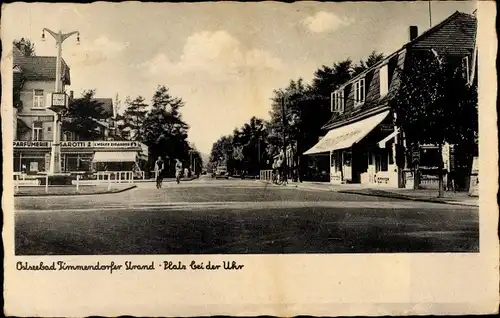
116 176
266 175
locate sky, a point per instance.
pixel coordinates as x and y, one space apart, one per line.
223 59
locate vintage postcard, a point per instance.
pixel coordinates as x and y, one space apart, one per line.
239 158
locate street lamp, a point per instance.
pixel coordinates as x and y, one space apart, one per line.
57 104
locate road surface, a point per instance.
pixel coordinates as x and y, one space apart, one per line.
208 216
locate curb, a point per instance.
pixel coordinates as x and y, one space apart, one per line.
74 194
403 197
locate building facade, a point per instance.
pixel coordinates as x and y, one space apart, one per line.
363 142
34 80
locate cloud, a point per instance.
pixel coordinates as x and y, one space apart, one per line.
324 21
97 51
216 54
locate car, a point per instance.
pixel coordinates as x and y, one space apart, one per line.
221 172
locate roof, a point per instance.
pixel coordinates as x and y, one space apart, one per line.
106 104
39 68
456 36
454 42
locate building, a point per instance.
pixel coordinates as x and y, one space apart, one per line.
34 79
363 143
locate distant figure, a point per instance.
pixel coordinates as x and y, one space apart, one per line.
159 166
23 168
178 170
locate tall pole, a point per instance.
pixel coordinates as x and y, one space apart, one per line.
55 156
430 15
283 117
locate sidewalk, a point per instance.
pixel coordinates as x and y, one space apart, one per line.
423 195
164 180
39 191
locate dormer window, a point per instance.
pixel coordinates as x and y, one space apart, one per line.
337 101
359 92
465 68
384 80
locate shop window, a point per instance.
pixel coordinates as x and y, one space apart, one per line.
384 162
359 92
38 99
390 155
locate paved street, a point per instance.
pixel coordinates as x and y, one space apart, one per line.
208 216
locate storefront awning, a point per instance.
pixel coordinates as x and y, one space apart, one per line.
382 143
115 156
346 136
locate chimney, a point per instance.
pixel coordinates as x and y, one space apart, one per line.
413 32
70 94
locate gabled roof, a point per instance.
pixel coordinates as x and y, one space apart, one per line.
467 25
456 36
40 67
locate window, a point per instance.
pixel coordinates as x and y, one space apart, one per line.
384 80
38 101
359 92
337 101
37 131
465 68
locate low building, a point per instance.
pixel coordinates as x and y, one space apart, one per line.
362 140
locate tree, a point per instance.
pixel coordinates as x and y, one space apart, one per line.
163 129
133 118
83 116
435 105
26 47
222 153
372 59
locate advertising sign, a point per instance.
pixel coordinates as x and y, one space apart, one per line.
82 144
31 144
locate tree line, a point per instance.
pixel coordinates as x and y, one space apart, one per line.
307 107
436 103
159 125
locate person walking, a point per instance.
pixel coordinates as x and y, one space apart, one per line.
178 170
159 166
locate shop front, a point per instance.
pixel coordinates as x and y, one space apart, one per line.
33 157
362 152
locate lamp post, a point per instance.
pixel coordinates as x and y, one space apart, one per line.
57 108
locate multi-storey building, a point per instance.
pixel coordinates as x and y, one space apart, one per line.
33 81
361 137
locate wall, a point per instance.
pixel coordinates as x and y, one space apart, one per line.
30 115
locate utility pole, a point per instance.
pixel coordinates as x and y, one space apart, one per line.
283 117
55 156
430 15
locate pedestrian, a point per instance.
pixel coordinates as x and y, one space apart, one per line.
178 170
159 166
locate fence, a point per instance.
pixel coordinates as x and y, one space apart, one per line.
266 175
109 177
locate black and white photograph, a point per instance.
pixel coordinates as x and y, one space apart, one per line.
242 129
